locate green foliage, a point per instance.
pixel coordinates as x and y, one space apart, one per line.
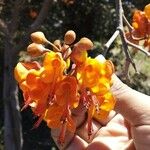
139 81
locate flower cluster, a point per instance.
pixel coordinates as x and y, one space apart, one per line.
141 27
64 79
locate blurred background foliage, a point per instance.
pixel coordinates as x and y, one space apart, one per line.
93 19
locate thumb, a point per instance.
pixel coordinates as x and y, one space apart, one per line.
133 105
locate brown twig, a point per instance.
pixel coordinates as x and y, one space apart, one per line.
56 48
12 121
119 11
127 23
110 41
138 47
125 42
17 6
127 54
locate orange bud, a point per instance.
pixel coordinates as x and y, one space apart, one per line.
84 44
38 37
35 49
57 43
69 37
140 23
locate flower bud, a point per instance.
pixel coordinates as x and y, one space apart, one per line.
69 37
38 37
84 44
35 50
57 43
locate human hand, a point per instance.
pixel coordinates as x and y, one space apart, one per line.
127 130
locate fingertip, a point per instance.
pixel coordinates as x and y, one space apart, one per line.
72 141
77 144
133 105
68 137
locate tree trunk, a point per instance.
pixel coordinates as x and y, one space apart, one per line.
12 120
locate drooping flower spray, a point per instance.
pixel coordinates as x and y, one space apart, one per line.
65 78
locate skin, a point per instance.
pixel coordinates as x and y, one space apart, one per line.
126 128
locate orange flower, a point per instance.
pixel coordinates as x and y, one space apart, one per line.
34 89
59 120
78 57
66 99
53 67
95 81
66 92
38 91
62 81
90 75
20 72
140 24
108 103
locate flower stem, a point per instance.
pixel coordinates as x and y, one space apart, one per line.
48 42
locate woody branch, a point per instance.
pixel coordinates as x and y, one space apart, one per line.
125 42
9 28
36 24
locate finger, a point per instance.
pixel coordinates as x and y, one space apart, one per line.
82 131
133 105
99 145
79 117
116 126
68 138
72 141
77 144
113 136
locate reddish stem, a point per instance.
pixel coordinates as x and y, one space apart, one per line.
38 122
90 126
26 104
62 134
